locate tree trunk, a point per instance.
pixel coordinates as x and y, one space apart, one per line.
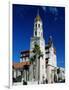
38 60
33 70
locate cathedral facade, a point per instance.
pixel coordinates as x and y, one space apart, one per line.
43 68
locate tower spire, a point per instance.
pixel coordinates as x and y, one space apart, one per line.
38 12
38 16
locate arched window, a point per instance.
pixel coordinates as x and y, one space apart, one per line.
39 25
35 33
36 25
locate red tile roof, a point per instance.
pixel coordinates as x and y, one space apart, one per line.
20 65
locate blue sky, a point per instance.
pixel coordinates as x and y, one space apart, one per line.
53 19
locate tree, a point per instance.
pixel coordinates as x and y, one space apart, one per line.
32 59
37 54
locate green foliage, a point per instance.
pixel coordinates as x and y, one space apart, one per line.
36 49
32 59
37 52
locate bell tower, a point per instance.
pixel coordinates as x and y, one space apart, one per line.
39 67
